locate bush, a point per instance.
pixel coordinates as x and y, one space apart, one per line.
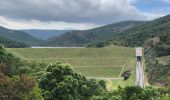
126 74
162 49
60 82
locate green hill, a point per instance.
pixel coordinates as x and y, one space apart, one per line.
11 44
137 36
20 36
85 37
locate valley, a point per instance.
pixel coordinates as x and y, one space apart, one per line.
86 52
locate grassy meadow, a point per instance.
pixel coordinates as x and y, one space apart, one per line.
108 62
130 65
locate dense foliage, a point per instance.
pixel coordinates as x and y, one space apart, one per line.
16 88
12 85
60 82
157 73
11 44
9 62
162 48
137 35
137 93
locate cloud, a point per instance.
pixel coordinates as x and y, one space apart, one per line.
74 11
132 1
68 14
35 24
167 1
152 15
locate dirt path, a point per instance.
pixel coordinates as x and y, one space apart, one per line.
109 85
123 67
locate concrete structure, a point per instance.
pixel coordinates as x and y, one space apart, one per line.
139 68
139 51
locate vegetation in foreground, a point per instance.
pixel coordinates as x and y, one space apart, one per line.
28 81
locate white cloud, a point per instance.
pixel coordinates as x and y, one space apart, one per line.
35 24
132 1
151 15
79 11
167 1
67 14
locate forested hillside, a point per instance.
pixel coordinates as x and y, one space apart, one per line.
138 35
12 44
19 36
157 51
82 38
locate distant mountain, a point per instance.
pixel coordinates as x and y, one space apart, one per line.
11 44
44 34
19 36
139 34
85 37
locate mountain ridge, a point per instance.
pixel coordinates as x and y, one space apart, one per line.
43 33
85 37
139 34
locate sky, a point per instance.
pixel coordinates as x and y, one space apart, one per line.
77 14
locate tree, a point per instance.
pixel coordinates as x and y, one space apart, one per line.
9 61
60 82
12 85
126 74
15 88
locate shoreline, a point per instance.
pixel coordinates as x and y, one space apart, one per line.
54 47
